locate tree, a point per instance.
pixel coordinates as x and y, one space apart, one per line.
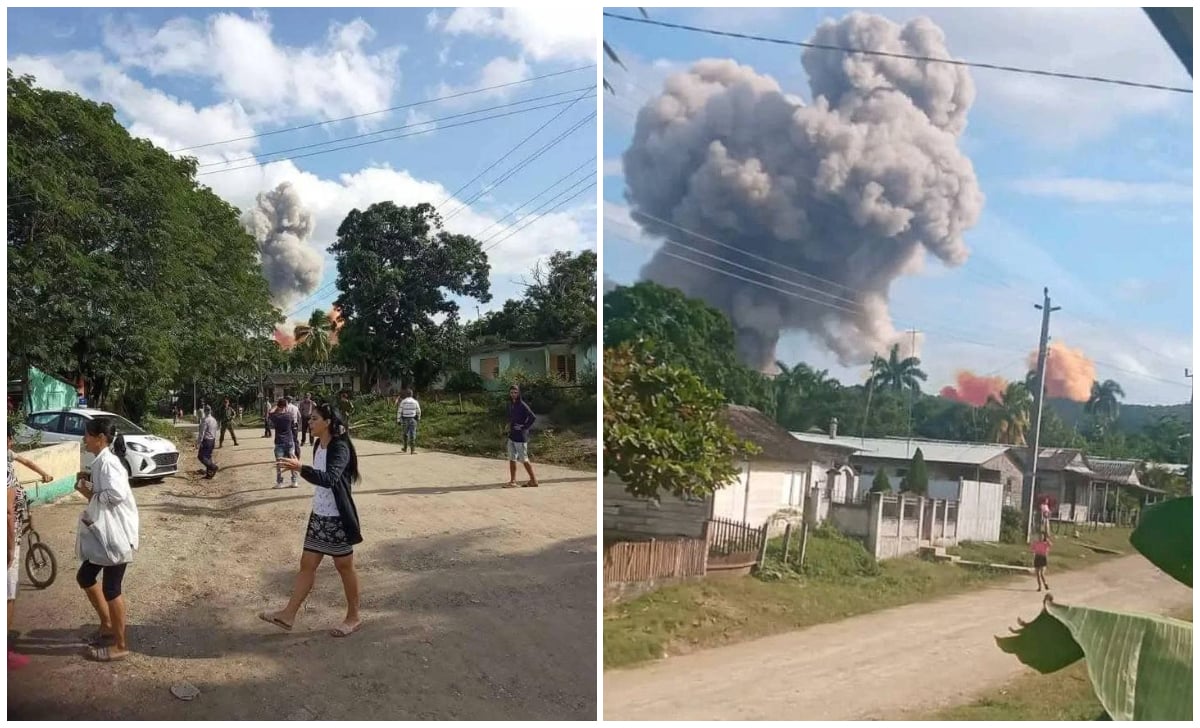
804 397
897 374
1104 404
663 430
314 340
684 332
1009 414
145 275
563 298
917 479
396 268
880 483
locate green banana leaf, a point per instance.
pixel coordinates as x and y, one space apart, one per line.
1164 536
1140 665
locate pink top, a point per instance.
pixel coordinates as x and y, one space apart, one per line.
1045 509
1041 548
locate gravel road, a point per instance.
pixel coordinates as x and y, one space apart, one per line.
478 601
878 666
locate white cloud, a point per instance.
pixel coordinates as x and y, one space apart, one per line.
338 77
613 167
557 32
433 20
1091 190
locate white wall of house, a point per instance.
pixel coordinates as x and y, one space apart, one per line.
762 489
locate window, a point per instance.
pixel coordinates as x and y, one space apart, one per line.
489 367
44 421
564 366
72 424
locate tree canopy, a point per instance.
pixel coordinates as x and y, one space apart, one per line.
558 305
396 266
122 268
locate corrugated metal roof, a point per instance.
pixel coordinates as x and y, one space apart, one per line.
889 448
775 442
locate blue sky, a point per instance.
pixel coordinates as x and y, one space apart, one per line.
183 77
1087 187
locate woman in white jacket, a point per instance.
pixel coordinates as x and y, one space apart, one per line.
107 537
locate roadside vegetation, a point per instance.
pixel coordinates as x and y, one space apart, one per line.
839 579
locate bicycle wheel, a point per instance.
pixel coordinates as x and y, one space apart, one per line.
40 565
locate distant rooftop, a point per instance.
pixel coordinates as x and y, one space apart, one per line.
891 448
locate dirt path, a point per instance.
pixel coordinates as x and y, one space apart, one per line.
478 602
918 657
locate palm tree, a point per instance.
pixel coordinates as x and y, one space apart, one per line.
897 374
1010 414
1104 404
315 339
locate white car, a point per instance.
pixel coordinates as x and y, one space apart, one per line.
147 457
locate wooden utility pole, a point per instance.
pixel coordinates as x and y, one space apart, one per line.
1038 401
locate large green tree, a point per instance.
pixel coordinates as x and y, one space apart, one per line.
897 374
663 431
1104 404
685 332
396 270
122 268
1009 414
314 339
558 305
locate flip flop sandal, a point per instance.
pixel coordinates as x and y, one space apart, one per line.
510 485
341 631
272 619
105 654
530 484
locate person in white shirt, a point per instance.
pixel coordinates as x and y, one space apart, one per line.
206 442
294 411
408 414
107 537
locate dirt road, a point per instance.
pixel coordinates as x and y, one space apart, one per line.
477 601
876 666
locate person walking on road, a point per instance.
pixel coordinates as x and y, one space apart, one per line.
107 537
346 408
1041 559
306 407
520 419
228 415
294 411
206 441
408 414
285 440
333 526
18 515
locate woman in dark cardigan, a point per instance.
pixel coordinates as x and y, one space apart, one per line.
333 527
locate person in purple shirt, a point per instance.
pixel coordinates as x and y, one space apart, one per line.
283 423
520 419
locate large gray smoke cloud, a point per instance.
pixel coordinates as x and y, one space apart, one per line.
851 191
282 225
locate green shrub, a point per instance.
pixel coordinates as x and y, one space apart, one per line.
831 555
463 381
1012 525
881 484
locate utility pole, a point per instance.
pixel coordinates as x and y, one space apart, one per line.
1187 373
1038 401
912 394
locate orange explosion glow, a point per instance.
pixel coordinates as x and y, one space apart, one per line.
1069 372
973 389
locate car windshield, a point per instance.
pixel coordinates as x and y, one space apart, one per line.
124 426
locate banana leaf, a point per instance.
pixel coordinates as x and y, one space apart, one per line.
1164 536
1140 665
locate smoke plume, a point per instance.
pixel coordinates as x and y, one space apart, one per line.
1069 372
282 225
974 390
843 195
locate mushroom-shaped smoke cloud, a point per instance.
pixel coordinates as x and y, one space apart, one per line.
841 196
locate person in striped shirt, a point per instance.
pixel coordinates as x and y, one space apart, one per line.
408 413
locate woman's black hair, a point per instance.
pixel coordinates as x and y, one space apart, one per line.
338 429
108 428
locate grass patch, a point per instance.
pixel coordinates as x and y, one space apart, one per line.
840 579
1063 695
474 428
1066 552
168 431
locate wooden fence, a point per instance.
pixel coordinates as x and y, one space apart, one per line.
733 544
639 561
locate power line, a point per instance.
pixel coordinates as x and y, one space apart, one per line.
547 212
261 155
522 164
551 186
504 156
887 54
411 105
534 215
385 139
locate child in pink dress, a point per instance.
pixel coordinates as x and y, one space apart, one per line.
1041 552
